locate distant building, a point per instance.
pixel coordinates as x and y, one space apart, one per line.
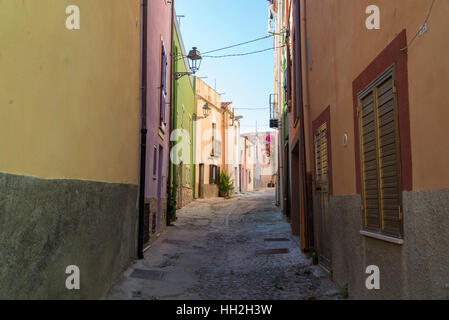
242 165
231 134
263 158
209 139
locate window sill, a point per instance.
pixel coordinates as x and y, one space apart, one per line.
382 237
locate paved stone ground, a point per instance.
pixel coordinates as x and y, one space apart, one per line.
211 252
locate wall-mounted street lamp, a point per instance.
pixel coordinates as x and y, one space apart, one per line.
206 112
236 119
194 58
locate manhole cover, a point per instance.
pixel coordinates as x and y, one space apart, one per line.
272 251
276 239
148 274
173 241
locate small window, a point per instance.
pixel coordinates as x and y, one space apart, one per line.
154 161
379 157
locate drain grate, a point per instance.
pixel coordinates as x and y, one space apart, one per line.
173 241
276 239
148 274
272 251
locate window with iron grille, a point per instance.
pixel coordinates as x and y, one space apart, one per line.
379 156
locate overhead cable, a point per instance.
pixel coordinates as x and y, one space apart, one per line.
244 54
237 45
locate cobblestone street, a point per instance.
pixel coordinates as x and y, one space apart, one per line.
226 249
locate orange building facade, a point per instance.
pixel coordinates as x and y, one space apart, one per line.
367 140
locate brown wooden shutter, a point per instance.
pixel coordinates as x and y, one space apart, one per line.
389 165
380 165
370 195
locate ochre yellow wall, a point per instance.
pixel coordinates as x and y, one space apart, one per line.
69 100
342 47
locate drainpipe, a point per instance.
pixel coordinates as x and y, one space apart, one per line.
307 215
143 127
310 133
170 124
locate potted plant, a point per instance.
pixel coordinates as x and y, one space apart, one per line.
225 186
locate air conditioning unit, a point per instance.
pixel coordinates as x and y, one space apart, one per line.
274 123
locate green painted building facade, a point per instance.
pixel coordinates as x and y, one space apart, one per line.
183 128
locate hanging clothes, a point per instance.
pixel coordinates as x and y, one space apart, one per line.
270 15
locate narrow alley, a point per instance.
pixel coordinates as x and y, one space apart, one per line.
224 150
218 249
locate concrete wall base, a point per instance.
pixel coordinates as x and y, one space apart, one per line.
416 269
210 191
156 227
47 225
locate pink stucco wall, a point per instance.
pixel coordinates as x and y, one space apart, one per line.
159 29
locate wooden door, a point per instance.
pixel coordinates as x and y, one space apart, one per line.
180 183
322 195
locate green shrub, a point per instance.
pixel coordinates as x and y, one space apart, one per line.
225 186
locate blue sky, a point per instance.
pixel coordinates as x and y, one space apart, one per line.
246 81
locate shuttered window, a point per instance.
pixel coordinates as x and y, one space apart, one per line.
379 156
321 158
163 84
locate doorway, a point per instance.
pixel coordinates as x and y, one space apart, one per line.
295 213
201 181
322 195
286 188
240 178
159 186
